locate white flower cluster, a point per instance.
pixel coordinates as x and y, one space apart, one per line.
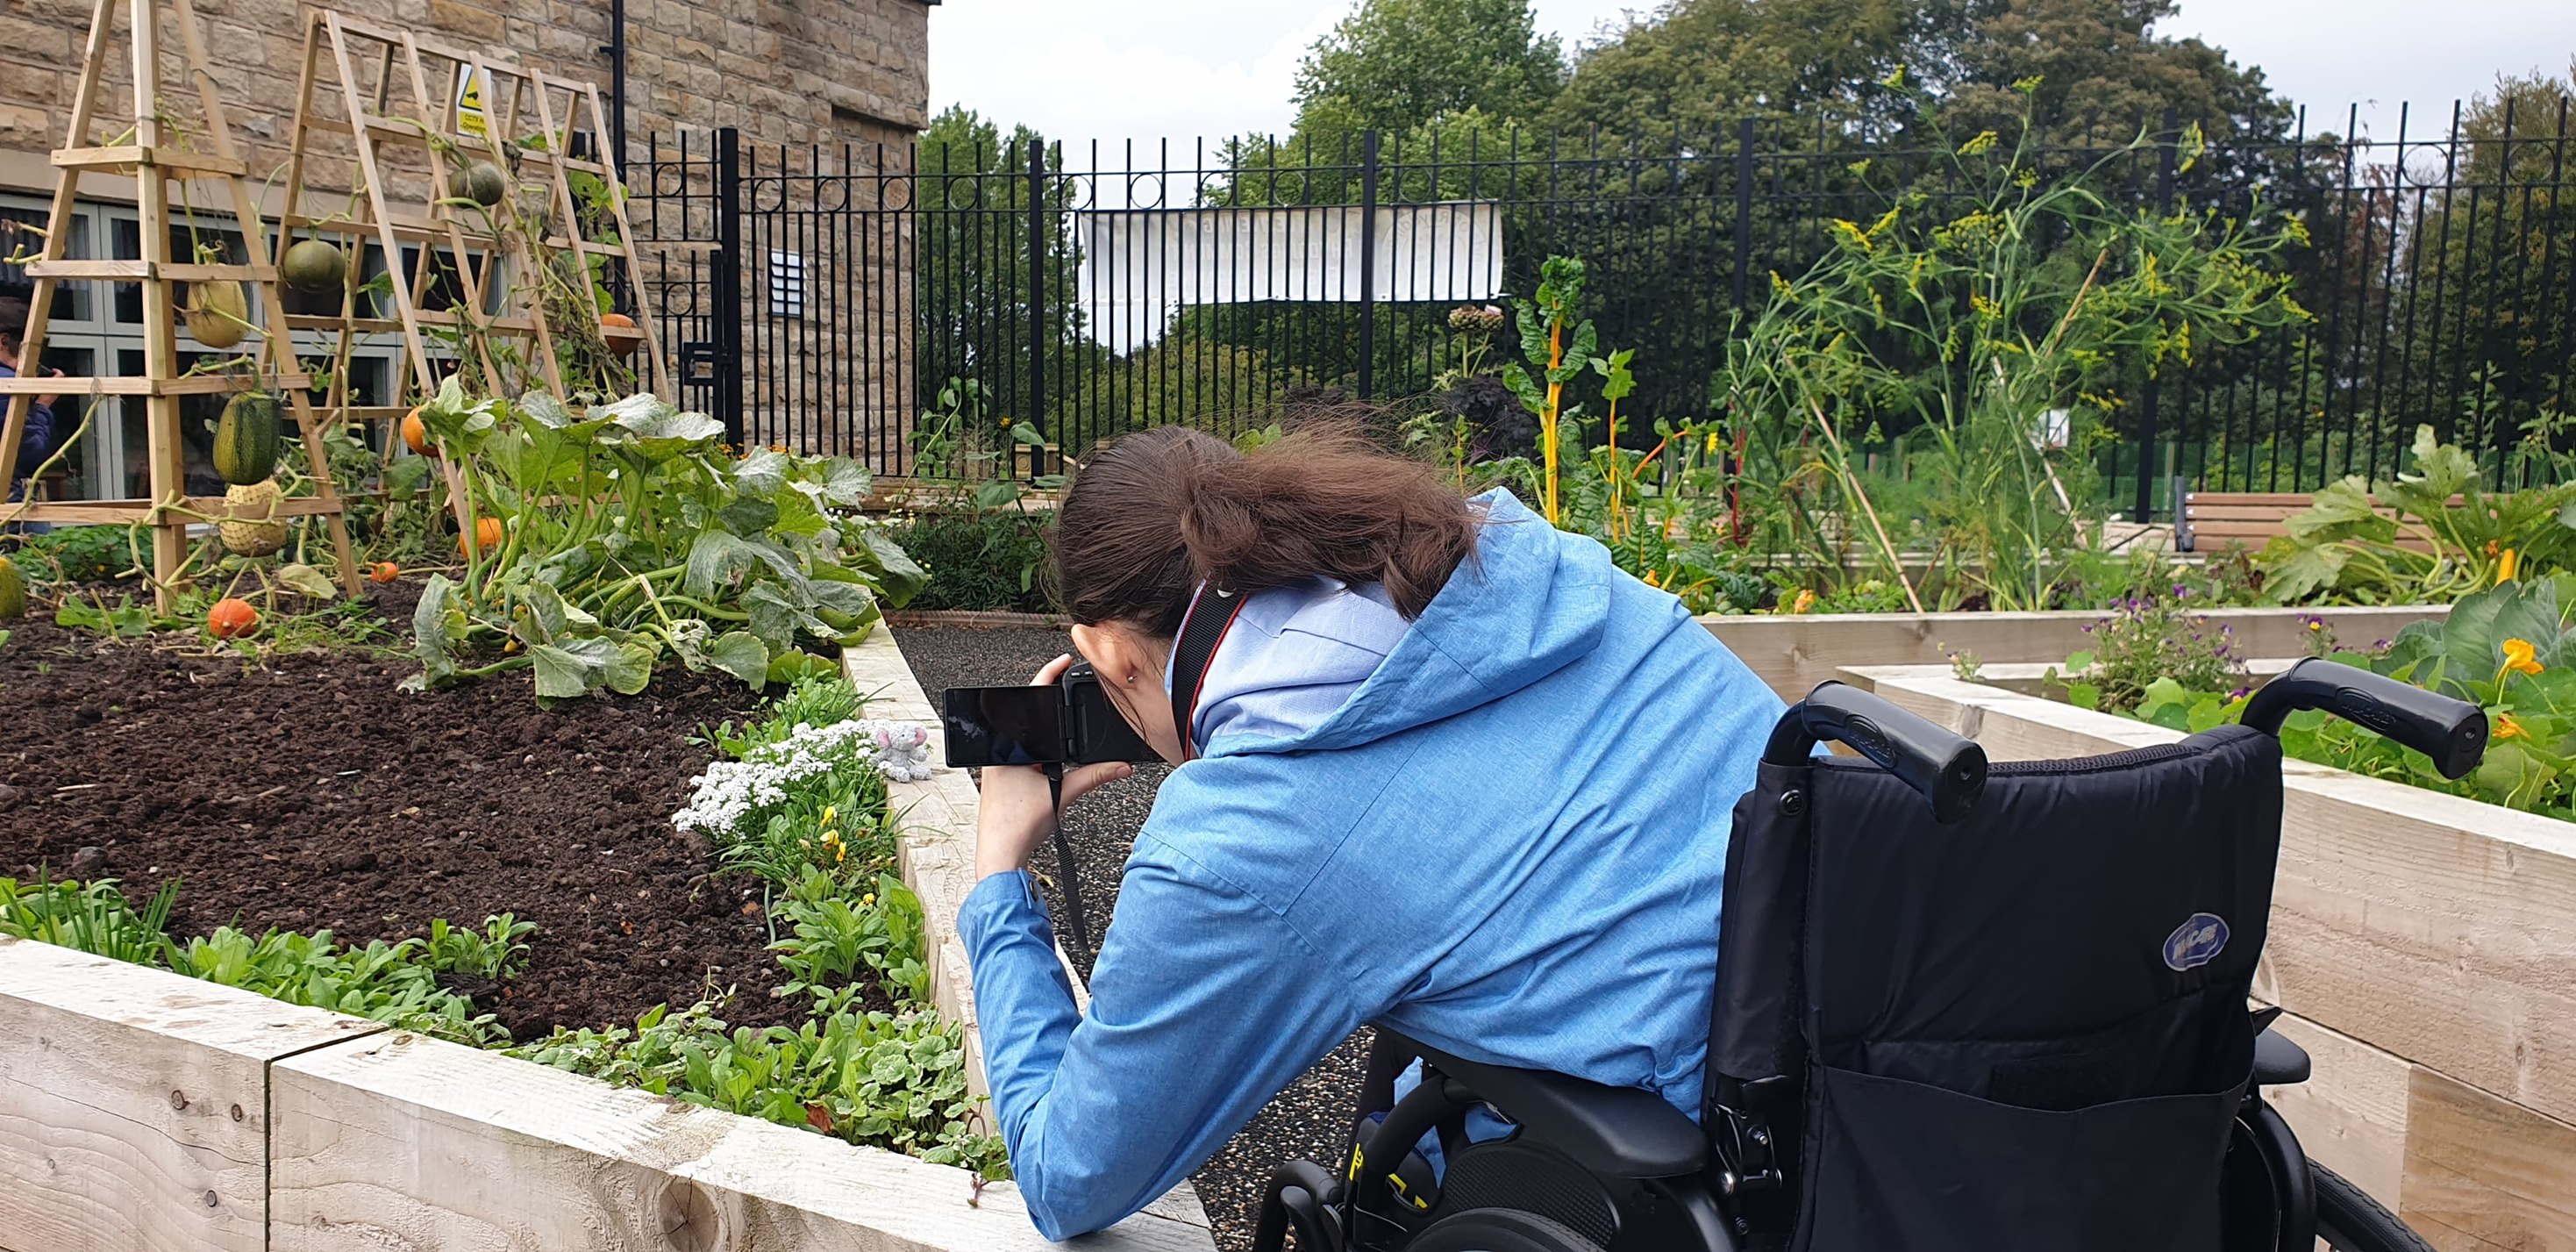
729 791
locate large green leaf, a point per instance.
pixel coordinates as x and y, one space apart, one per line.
2295 569
760 472
898 577
2341 511
2474 635
716 558
629 668
741 654
437 624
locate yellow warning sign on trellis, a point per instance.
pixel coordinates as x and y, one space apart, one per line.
469 101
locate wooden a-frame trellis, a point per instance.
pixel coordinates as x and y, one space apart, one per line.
158 153
500 258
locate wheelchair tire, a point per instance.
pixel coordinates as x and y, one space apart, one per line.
2348 1220
1499 1230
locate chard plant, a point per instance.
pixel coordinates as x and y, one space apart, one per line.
614 539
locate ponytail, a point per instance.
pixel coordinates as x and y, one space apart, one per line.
1157 512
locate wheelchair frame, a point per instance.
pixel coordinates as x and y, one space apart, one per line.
1731 1180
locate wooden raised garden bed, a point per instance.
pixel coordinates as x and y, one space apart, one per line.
2424 946
143 1109
1795 652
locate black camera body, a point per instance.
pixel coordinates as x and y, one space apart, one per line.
1070 723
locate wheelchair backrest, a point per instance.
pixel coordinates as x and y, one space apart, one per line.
2084 938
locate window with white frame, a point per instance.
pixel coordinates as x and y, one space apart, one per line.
96 330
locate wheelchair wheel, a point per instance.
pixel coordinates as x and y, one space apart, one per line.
1499 1230
2348 1220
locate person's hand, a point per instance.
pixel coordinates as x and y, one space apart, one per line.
1016 815
52 400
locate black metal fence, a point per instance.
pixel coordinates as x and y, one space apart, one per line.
1092 290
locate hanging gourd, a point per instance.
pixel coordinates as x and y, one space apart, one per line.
251 526
218 313
315 266
482 182
246 439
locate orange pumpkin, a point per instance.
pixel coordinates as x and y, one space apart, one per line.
487 535
231 618
610 324
415 433
383 572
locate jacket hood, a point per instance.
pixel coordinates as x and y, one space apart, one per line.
1530 601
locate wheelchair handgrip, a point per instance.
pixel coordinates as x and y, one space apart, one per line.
2452 732
1948 770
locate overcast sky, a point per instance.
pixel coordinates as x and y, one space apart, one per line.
1112 69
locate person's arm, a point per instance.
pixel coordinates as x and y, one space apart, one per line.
1204 1005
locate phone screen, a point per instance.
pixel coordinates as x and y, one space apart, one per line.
1003 725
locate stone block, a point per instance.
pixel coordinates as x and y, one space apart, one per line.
466 21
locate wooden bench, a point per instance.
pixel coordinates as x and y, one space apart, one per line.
2217 520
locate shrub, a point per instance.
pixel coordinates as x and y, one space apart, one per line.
980 561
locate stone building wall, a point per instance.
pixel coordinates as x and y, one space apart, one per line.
832 88
784 71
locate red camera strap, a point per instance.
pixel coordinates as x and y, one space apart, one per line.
1192 651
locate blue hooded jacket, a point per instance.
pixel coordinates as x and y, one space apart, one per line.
1506 843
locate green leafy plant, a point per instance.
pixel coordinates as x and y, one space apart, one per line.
888 1080
1981 336
395 983
2443 537
2152 643
625 537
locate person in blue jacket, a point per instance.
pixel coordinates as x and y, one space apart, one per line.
1450 771
38 438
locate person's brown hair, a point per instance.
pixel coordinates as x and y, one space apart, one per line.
13 322
1152 514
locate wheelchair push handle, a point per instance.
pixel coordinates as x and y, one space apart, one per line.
2452 732
1946 769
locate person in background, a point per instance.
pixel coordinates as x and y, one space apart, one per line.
38 441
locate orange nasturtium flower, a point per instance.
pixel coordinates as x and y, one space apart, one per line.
2507 728
2517 657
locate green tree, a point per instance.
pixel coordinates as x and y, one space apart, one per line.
971 279
1694 66
2497 253
1395 64
2098 64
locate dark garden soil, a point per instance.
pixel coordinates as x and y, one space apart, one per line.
306 792
1310 1120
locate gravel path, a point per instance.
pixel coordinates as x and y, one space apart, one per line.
1310 1119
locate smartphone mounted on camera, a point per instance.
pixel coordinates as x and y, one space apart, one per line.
1069 723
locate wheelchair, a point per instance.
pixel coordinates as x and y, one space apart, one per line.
1957 1007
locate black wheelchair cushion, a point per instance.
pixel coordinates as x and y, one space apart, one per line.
1617 1132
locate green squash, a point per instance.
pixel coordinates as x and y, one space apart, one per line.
315 266
13 590
246 437
482 182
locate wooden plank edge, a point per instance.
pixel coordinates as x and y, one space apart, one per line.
424 1143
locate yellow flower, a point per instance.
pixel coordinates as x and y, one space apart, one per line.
2517 657
1805 602
1650 579
2504 566
2507 728
827 815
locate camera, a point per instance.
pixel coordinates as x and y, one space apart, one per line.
1070 723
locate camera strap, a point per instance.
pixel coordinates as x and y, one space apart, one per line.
1193 649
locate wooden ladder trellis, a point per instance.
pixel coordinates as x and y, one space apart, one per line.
353 74
158 154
